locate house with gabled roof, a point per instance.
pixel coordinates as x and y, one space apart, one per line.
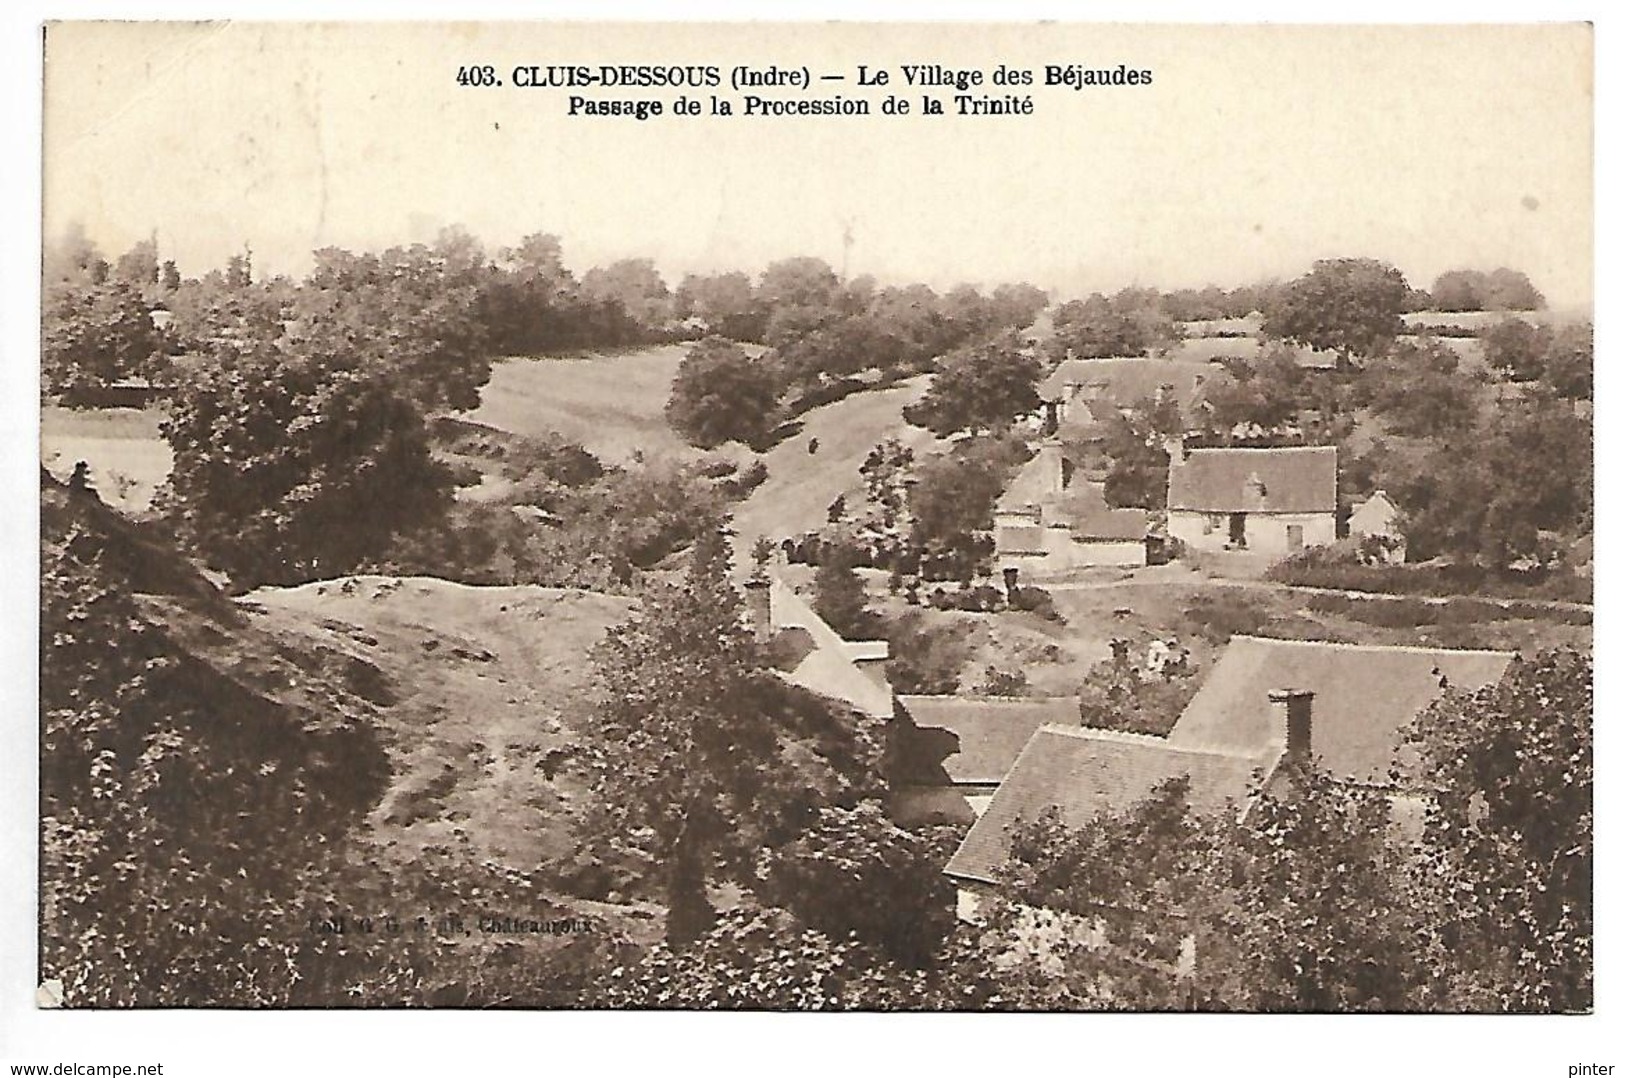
1121 382
1378 523
948 754
1049 522
1272 501
1339 708
808 653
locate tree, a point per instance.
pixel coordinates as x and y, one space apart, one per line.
1419 389
409 315
952 502
799 295
1473 290
637 287
1494 497
1524 352
984 388
682 741
1507 873
855 873
725 302
1016 306
1136 444
285 471
839 596
94 334
1349 306
722 394
1131 323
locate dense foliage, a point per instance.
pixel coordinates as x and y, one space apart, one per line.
722 393
980 389
1350 306
286 471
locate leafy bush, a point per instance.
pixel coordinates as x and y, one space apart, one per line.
996 682
1219 617
978 599
1036 601
926 659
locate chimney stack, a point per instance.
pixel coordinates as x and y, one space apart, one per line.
1294 716
1174 446
759 608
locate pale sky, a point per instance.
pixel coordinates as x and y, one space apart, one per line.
1254 151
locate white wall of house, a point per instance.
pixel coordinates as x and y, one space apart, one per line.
1266 533
1058 553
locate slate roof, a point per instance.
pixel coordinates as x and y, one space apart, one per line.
1296 479
970 739
1081 773
1364 697
825 665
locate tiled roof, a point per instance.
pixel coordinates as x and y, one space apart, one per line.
825 666
1126 380
1083 507
1081 773
1033 483
1364 697
1298 479
970 739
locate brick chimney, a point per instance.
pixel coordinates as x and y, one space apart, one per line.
759 608
1293 711
1174 446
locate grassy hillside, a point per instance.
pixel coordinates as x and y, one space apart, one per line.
612 404
800 485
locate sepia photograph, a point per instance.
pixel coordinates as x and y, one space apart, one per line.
895 516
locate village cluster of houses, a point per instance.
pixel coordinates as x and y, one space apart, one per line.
997 762
1053 519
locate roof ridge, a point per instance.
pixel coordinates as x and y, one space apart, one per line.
978 696
1260 449
1127 737
1339 645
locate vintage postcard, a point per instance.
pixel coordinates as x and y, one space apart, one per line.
883 517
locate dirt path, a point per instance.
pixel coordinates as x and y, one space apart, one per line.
800 485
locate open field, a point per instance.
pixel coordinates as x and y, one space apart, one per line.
612 404
128 459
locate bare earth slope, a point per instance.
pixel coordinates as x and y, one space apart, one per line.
484 690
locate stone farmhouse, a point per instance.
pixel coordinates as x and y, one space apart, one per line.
1271 501
1050 521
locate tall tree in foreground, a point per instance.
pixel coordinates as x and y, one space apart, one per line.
1507 869
683 741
